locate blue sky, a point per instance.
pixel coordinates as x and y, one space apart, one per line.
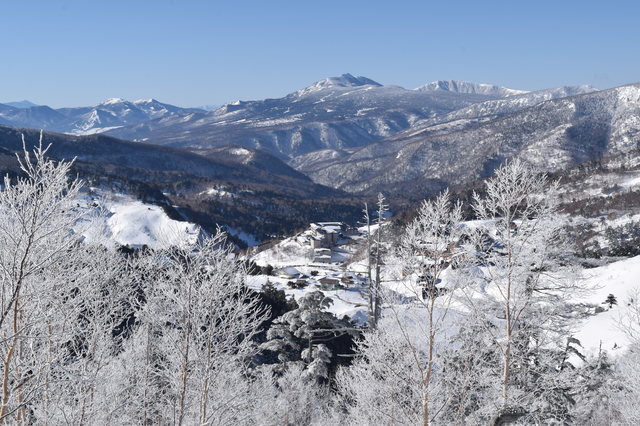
70 53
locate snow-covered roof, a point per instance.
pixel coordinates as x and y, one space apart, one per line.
290 270
328 227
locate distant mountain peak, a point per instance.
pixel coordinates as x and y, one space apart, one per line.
146 101
345 80
112 101
22 104
457 86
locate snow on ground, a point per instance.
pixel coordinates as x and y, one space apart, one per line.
349 301
598 330
620 279
286 253
134 223
249 239
92 131
293 257
218 192
629 183
126 221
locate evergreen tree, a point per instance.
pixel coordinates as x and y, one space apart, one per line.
308 334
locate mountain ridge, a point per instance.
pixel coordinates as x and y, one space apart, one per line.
458 86
337 112
111 113
550 134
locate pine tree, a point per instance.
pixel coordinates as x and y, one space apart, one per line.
611 300
304 335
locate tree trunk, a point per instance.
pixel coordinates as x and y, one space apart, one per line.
6 365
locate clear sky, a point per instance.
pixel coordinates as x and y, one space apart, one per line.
72 53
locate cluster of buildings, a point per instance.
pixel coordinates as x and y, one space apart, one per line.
324 237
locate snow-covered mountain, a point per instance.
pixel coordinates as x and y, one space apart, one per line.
458 86
41 117
354 134
471 143
249 191
21 104
109 114
117 112
337 112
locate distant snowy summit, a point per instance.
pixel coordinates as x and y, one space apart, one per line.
21 104
469 88
343 81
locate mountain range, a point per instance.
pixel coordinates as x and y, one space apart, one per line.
335 113
109 114
356 135
240 188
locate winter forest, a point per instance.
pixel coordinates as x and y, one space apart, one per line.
481 333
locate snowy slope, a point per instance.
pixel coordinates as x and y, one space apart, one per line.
552 135
129 222
621 279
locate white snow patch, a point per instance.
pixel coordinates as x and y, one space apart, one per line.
630 182
620 279
127 221
249 239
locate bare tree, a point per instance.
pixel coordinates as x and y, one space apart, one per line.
36 221
524 288
375 251
204 320
395 377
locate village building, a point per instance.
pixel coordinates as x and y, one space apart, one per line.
322 255
289 272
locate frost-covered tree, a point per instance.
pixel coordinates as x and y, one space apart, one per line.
524 286
303 336
36 220
378 250
286 399
599 393
375 250
625 393
428 248
197 325
383 385
425 252
82 333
